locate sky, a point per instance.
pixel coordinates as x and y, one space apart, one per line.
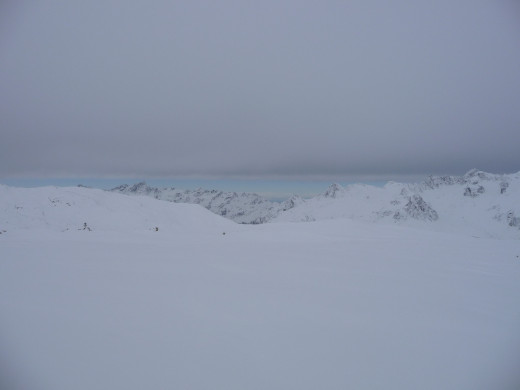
285 90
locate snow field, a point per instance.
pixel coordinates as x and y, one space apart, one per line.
334 304
331 304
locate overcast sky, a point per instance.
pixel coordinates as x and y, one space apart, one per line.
258 88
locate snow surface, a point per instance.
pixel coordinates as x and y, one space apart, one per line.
204 303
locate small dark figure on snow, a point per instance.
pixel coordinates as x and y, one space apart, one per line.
85 227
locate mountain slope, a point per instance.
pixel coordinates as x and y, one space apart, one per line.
77 208
477 203
240 207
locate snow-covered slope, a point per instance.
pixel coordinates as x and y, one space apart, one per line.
78 208
477 203
334 304
240 207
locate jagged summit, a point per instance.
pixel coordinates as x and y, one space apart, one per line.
333 191
473 176
140 187
292 202
417 208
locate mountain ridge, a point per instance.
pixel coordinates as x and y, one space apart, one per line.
243 207
476 201
482 203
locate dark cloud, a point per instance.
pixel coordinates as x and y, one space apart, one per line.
263 88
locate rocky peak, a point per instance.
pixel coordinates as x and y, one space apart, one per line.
292 202
140 188
417 208
333 191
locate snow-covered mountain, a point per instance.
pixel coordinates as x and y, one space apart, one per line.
77 208
240 207
477 203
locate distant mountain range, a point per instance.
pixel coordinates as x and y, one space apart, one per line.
483 204
240 207
480 203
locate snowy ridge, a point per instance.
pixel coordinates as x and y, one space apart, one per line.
79 208
240 207
478 203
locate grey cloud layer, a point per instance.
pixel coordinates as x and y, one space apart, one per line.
294 87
